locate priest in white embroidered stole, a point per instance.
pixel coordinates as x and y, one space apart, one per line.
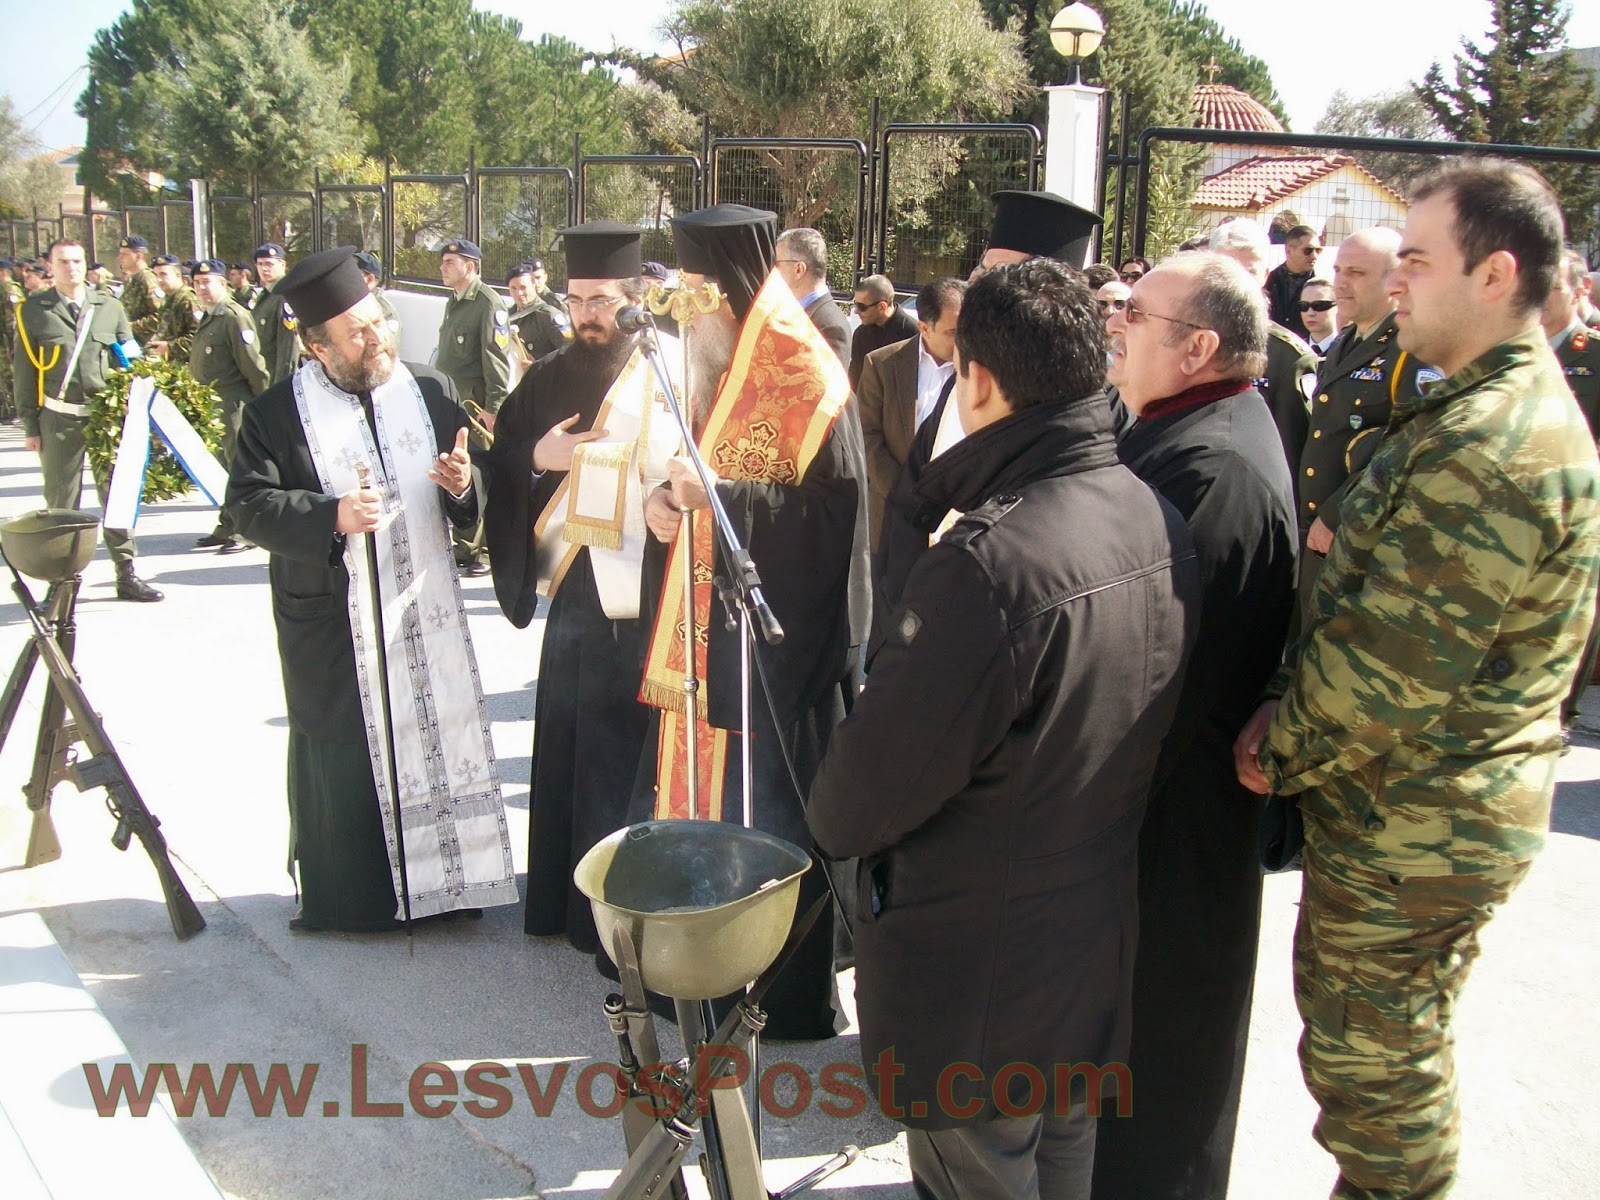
578 444
350 473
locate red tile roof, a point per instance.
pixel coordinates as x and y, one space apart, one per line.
1259 182
1218 106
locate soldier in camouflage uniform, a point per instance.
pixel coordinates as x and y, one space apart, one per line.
180 312
11 295
1577 349
474 351
276 326
141 297
1419 717
225 354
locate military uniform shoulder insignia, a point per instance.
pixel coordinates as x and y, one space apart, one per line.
907 627
246 334
1428 375
290 321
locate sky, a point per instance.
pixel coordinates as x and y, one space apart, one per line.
1361 46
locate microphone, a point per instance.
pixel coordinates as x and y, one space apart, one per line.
633 318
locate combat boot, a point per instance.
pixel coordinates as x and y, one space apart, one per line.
131 587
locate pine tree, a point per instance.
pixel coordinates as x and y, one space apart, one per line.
1522 87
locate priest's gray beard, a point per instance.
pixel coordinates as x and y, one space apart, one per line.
712 339
372 370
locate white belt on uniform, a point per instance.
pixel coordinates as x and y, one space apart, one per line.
66 407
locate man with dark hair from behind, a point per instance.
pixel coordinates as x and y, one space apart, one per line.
993 774
1185 353
1419 719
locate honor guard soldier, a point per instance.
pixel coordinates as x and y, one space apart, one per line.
141 296
474 351
372 274
68 337
276 326
540 328
245 292
179 312
226 354
1364 375
11 298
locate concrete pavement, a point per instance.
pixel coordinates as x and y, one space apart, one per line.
190 693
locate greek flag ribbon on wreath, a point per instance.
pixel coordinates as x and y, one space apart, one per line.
149 409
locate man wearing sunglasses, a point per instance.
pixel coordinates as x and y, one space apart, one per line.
1319 312
883 323
1302 247
1112 298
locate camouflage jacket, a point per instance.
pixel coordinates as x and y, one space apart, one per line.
180 314
139 302
1420 715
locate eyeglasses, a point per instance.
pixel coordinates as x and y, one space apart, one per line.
594 303
779 262
1317 305
860 306
1133 314
1107 306
1132 276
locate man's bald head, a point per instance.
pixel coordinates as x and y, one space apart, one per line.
1364 261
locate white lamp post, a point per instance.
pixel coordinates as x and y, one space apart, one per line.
1076 32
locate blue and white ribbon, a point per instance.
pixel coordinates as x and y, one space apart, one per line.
149 409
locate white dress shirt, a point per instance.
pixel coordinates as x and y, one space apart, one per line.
932 375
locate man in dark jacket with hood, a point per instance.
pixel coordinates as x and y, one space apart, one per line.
992 776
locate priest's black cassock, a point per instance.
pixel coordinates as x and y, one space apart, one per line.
588 725
1215 455
809 542
276 500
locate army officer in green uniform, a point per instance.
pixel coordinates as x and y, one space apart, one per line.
1363 376
474 351
226 354
277 330
66 337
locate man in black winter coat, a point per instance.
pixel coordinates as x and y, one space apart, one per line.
992 776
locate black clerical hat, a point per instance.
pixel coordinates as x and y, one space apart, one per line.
601 250
1042 223
321 286
734 244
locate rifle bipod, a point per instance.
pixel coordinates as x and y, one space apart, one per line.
68 718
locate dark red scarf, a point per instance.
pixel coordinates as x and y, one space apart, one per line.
1196 397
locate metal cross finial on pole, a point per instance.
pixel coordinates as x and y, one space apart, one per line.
1211 69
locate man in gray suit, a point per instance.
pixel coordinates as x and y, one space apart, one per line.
901 384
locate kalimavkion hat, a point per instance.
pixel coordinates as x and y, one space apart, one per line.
1044 224
732 243
601 250
462 247
321 286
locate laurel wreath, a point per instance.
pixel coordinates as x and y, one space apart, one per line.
164 478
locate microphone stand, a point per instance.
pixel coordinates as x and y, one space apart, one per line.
745 605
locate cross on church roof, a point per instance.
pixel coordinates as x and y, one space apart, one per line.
1211 69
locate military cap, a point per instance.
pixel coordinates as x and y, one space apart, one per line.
462 247
321 286
133 242
240 266
535 264
189 264
654 270
1044 224
6 264
516 272
94 266
210 266
164 260
38 268
368 262
270 250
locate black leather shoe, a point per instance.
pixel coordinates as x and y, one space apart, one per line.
131 587
210 540
232 546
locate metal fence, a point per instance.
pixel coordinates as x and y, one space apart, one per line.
518 212
1191 180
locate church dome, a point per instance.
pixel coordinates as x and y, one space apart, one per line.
1219 106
